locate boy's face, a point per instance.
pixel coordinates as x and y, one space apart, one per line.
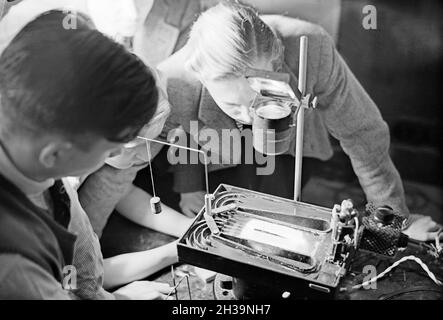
132 154
44 155
235 95
67 159
135 152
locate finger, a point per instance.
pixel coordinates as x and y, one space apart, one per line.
158 296
432 226
164 297
150 294
431 236
437 233
162 287
187 212
196 210
193 214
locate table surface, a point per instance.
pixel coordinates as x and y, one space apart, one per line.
408 281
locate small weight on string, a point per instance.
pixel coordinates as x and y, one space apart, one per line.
156 206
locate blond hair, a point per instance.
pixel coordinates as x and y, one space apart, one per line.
227 39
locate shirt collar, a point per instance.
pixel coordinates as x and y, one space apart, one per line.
26 185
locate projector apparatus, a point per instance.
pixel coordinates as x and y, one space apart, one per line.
272 246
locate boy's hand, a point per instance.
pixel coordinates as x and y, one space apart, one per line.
422 228
143 290
192 202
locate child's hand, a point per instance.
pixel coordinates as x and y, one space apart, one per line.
143 290
422 228
192 202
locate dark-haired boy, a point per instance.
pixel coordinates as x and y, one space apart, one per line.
69 98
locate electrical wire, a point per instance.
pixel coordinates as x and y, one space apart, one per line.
395 264
398 293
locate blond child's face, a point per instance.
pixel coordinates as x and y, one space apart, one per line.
234 95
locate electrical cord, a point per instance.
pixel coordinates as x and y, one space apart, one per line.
396 294
395 264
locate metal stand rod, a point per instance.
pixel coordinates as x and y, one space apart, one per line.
300 117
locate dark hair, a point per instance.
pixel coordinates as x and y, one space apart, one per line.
74 82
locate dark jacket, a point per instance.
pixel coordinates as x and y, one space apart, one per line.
28 232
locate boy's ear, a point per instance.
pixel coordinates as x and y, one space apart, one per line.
53 152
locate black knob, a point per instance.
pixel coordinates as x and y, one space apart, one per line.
384 215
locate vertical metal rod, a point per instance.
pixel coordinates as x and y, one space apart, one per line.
300 117
208 215
173 281
206 172
189 288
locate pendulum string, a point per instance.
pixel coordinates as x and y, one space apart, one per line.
155 201
208 196
148 147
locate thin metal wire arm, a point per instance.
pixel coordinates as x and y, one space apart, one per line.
185 148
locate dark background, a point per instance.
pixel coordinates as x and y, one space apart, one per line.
399 64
